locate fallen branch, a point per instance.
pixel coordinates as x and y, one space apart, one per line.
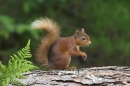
110 75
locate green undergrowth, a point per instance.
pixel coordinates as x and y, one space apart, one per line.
16 66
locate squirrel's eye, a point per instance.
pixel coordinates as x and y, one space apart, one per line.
83 38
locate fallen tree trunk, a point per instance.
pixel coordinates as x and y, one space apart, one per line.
95 76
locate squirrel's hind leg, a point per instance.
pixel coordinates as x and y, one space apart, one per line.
61 63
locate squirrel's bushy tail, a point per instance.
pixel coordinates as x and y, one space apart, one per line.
53 33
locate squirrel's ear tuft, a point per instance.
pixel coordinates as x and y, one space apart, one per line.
82 29
77 32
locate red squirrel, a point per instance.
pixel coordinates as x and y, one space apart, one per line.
56 51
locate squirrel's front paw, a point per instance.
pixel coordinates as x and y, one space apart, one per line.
84 55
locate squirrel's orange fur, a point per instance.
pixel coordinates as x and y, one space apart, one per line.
56 51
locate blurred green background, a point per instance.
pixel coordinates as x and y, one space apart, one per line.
107 22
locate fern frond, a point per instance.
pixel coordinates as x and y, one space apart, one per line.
16 66
2 67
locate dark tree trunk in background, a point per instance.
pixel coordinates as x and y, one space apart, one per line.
95 76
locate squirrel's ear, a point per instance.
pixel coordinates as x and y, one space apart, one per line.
82 29
77 32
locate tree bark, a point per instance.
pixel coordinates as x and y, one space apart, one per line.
95 76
